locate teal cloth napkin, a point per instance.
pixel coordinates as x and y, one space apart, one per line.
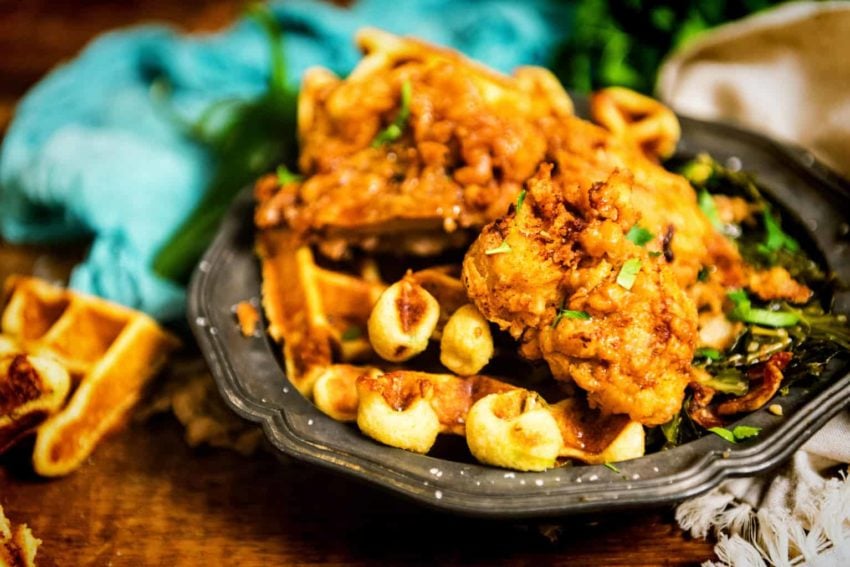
92 153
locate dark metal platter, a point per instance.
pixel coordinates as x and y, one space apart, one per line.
251 379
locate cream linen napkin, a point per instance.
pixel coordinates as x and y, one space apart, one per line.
786 73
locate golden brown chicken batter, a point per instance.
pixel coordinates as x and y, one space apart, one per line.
550 274
472 137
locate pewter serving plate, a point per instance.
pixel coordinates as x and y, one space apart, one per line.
251 379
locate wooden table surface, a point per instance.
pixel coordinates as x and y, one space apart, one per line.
146 498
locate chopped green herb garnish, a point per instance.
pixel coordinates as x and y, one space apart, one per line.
704 274
744 311
612 467
745 432
654 254
520 200
639 235
352 333
709 353
628 273
285 176
502 248
723 432
393 132
709 209
740 432
243 138
570 314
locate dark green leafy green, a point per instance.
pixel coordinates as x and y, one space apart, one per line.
245 139
739 433
727 381
622 42
761 246
810 332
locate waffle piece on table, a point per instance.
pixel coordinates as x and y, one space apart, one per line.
32 388
312 310
17 545
110 351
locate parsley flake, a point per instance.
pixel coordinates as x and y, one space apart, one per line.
639 235
520 200
745 432
709 209
570 314
628 273
502 248
739 433
394 131
612 467
723 432
285 176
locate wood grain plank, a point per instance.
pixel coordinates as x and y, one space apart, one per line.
146 498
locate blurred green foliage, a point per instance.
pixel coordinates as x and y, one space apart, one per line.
622 42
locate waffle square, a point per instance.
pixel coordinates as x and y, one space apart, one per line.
110 351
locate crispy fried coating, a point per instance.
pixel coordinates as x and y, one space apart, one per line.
564 249
471 138
584 153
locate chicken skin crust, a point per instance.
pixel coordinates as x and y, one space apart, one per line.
553 272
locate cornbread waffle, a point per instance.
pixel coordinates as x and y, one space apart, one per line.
17 545
310 308
110 352
31 389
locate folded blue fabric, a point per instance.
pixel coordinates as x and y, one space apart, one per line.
92 153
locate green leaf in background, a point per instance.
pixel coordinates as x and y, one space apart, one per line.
622 42
245 139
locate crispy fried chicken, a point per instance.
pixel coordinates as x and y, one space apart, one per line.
551 274
471 138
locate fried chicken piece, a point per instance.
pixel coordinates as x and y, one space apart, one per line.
628 343
667 204
470 139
